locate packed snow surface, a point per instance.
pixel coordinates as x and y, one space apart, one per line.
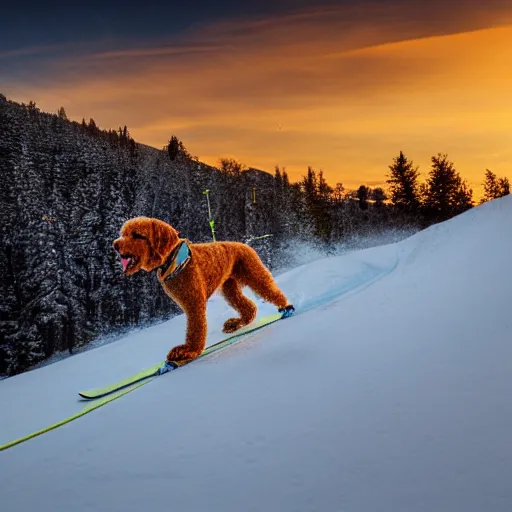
390 390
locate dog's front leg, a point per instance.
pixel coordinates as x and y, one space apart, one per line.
195 340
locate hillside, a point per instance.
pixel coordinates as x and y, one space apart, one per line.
389 391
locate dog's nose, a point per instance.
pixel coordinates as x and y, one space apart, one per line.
116 245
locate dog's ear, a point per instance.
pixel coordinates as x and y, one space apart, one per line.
163 238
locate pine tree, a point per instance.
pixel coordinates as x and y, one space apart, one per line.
504 186
446 194
173 148
491 187
317 197
278 178
324 189
61 114
25 349
323 213
363 194
231 198
403 184
463 198
379 196
309 185
231 167
338 193
494 187
286 180
92 128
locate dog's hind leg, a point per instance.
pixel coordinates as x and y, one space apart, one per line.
254 274
232 292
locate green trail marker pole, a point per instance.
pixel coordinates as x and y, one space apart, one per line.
210 219
257 238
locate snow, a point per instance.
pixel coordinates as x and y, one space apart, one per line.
390 391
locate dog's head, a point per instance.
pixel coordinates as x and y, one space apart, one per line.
145 244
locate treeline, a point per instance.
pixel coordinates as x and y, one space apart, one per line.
444 194
67 187
406 201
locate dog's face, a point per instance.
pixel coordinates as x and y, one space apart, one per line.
145 244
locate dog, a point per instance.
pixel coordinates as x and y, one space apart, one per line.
191 273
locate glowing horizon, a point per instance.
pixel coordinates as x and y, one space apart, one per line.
341 90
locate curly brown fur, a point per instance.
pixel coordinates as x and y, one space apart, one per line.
146 243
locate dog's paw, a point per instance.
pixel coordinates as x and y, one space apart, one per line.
233 324
182 353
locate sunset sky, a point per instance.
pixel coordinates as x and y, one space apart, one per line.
341 86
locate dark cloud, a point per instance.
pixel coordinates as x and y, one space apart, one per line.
34 23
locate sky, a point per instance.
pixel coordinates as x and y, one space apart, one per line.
342 87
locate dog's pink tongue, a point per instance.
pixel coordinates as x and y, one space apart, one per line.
125 262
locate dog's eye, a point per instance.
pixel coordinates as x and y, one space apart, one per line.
138 237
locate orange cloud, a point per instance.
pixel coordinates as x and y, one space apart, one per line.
337 89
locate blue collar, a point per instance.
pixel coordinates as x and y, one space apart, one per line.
176 262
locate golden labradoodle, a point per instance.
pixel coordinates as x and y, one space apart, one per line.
190 273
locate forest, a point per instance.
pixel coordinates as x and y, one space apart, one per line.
67 188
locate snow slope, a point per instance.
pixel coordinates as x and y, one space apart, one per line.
389 392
